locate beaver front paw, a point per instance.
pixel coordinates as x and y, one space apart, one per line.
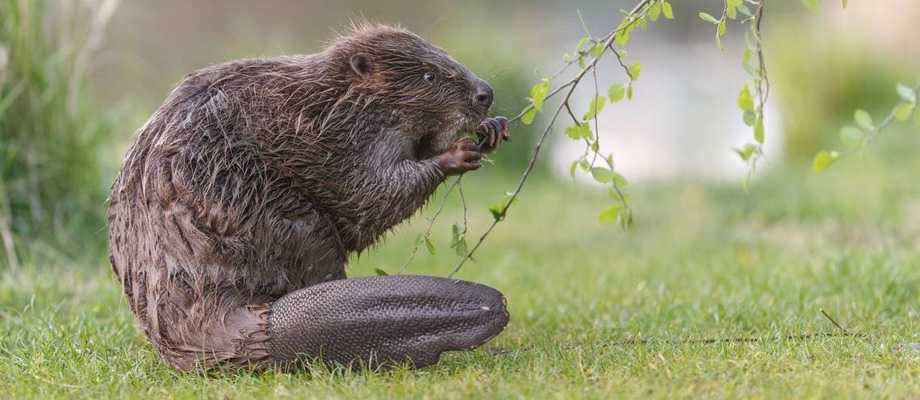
463 156
493 131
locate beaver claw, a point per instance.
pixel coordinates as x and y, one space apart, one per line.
493 131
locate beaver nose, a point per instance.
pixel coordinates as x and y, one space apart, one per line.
483 96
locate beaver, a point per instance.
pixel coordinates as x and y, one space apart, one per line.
241 198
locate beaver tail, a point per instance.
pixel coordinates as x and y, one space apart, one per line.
386 320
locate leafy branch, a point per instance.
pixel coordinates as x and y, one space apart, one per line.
589 51
588 54
751 104
855 138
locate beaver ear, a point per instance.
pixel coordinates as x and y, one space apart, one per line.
361 64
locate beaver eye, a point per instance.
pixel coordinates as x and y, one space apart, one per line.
428 77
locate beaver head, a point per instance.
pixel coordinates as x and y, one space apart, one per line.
433 97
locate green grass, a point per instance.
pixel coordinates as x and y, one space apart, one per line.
702 262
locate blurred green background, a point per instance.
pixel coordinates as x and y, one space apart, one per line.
78 78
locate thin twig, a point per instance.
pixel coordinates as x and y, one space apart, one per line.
752 339
833 322
597 129
742 339
466 219
805 336
431 221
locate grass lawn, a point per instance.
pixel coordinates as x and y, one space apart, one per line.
702 262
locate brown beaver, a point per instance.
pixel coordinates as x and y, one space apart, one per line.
241 198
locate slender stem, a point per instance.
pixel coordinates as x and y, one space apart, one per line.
431 221
889 119
466 219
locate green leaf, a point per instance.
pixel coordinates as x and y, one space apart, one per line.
380 272
496 211
629 92
580 47
610 215
579 131
622 38
759 131
747 62
596 106
863 119
824 159
619 180
598 49
708 18
538 94
667 10
746 152
461 248
634 71
745 100
851 136
455 234
844 3
499 208
654 11
723 27
458 240
642 23
903 112
616 92
602 175
810 4
906 93
529 116
744 10
429 245
749 118
731 8
573 169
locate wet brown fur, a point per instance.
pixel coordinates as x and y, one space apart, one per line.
258 177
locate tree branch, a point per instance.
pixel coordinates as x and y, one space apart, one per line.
635 15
